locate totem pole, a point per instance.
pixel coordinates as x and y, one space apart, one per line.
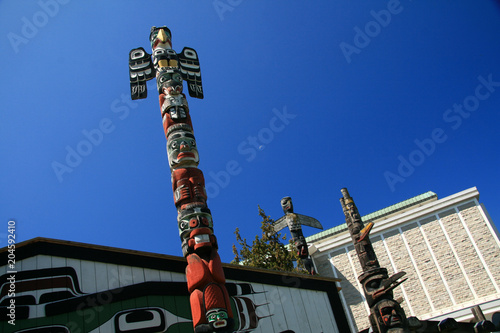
210 307
294 221
386 315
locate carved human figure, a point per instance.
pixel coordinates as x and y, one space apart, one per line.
181 147
196 229
389 316
205 277
366 254
169 81
188 185
210 307
175 110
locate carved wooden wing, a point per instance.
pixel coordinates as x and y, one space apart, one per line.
280 223
141 70
191 73
309 221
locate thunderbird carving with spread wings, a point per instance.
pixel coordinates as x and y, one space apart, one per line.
294 222
144 66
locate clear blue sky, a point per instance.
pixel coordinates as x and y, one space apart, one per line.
301 99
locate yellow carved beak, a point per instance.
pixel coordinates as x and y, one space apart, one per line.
162 36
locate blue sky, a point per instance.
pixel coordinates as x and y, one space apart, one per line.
390 99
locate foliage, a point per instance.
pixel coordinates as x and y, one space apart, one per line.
267 251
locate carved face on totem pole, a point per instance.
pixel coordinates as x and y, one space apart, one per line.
169 81
352 209
373 285
174 110
286 204
196 227
366 254
176 114
175 102
181 147
217 318
390 314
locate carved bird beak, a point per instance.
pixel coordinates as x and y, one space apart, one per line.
162 36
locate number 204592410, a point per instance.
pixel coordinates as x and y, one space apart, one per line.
11 240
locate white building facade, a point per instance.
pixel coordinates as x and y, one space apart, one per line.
449 249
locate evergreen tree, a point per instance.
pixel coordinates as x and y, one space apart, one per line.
266 251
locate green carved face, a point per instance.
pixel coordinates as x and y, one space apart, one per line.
217 317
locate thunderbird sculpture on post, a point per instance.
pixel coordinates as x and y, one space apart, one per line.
294 222
210 306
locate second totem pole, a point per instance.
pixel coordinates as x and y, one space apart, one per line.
386 315
210 306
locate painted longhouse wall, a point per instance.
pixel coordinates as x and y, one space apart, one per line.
71 287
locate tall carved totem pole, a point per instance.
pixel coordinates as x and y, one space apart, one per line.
294 222
210 307
386 315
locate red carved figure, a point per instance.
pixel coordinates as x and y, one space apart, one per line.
174 110
209 298
188 185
